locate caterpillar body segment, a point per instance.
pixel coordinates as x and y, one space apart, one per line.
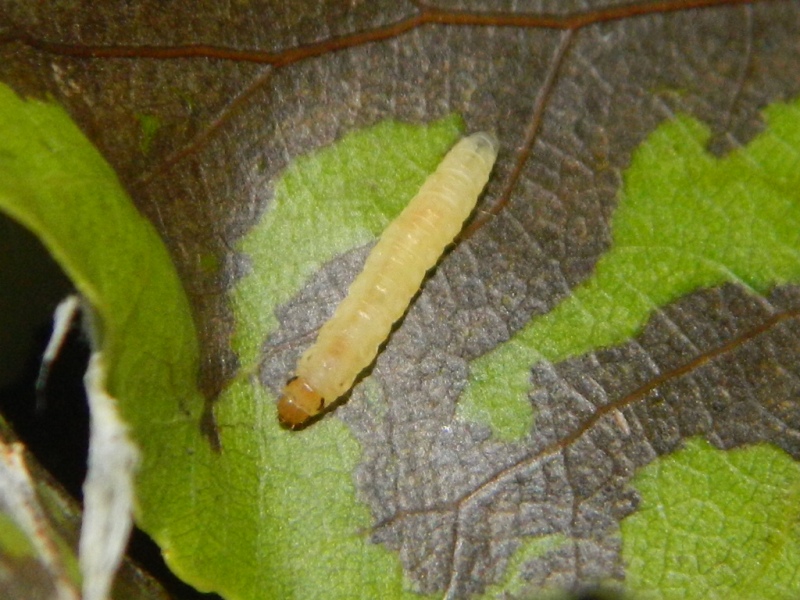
393 272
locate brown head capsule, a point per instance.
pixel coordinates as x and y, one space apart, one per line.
299 403
392 274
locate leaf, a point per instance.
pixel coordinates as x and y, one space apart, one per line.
53 181
45 139
699 495
309 504
686 220
201 111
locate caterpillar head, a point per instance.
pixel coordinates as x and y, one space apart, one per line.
299 403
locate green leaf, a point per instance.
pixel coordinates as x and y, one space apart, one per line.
533 548
13 542
685 220
275 513
57 184
715 524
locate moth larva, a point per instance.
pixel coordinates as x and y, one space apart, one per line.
409 247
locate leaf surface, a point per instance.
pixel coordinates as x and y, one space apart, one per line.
638 280
732 509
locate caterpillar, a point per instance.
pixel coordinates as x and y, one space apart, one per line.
393 272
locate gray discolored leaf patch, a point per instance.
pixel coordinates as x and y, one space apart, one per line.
713 364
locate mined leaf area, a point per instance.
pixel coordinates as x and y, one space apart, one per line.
327 203
715 524
307 528
274 514
686 220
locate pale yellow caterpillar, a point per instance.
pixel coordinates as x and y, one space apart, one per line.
409 247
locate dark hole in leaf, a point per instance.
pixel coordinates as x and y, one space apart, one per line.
58 436
58 433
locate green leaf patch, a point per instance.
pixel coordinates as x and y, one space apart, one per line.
685 220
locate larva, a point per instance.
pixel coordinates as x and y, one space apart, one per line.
393 272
